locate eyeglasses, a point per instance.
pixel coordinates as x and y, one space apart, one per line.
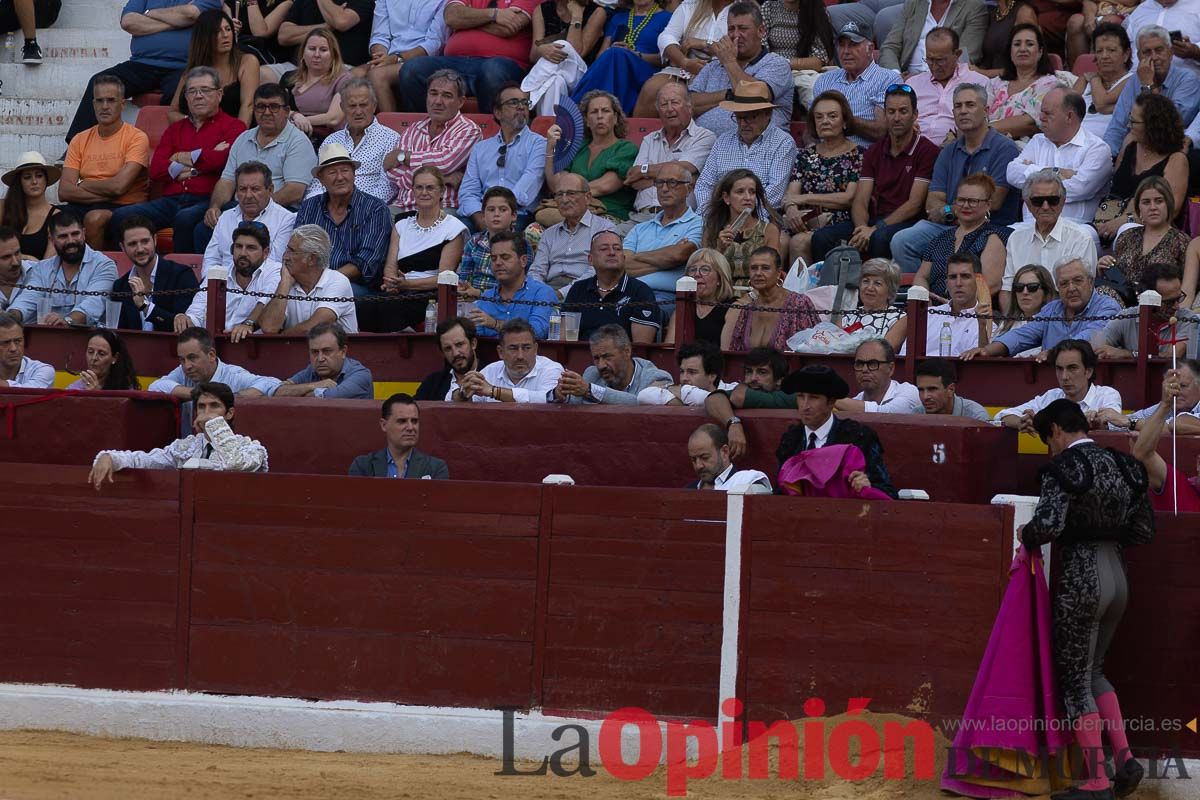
667 183
503 156
200 91
703 269
1051 200
1176 300
1133 121
273 108
426 189
969 202
564 194
870 366
899 87
516 102
1022 288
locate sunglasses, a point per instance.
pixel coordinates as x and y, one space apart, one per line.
1051 200
870 366
503 156
899 87
1021 288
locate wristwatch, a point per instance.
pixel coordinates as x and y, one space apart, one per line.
1133 424
399 61
732 421
251 324
644 169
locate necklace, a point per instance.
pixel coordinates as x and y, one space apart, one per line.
441 216
632 36
1001 12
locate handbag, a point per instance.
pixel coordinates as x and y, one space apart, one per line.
1111 209
1113 282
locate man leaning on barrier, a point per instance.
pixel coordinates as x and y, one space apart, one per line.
615 377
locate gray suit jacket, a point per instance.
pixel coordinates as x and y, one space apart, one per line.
374 465
968 17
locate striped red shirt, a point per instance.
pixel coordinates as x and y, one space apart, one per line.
448 151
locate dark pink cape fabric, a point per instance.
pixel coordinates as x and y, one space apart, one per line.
825 472
1014 704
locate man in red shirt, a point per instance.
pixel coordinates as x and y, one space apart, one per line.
1165 482
893 182
488 46
188 160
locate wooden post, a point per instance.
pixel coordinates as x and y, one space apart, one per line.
447 295
215 321
1148 302
918 319
685 310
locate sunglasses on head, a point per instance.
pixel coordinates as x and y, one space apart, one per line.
899 87
1021 288
1046 200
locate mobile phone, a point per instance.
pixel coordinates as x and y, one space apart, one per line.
1176 36
736 225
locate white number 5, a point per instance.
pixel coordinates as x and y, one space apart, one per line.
939 454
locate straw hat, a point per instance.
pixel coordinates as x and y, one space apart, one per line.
749 96
333 154
32 158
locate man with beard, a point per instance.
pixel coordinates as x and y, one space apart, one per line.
520 376
457 340
16 368
75 268
615 377
514 159
252 272
708 450
255 203
141 307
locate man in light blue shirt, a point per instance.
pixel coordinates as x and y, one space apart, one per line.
330 372
514 294
657 251
77 268
198 363
1058 319
1172 79
514 158
401 31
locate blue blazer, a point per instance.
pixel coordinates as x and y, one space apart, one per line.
168 276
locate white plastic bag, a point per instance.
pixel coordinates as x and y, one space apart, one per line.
826 337
801 277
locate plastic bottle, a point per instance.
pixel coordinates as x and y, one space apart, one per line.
945 341
431 317
10 41
555 325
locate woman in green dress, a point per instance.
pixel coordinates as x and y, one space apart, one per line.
605 157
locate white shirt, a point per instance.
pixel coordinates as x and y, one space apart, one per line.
33 374
229 452
1184 16
900 398
743 477
533 388
236 378
964 332
279 222
1086 154
693 145
331 284
710 27
1026 246
917 62
1097 397
148 306
238 307
821 432
7 300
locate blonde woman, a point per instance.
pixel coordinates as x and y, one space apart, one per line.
605 157
714 284
686 46
316 84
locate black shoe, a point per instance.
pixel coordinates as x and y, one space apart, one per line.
1083 794
32 53
1128 777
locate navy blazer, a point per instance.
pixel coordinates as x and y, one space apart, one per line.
168 276
375 465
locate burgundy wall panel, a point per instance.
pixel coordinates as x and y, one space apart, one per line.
89 582
894 601
635 600
297 591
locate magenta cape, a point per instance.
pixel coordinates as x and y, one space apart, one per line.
825 472
1013 717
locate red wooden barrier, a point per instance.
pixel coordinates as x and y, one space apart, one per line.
896 606
90 584
635 600
427 599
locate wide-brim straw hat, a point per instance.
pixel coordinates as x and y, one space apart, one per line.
28 159
749 96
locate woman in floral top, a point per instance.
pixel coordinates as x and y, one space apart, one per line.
1017 93
825 174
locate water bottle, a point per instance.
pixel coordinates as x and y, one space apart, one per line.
945 340
10 41
431 317
555 326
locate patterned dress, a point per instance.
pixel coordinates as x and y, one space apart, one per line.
820 175
1093 503
1171 249
1027 101
739 252
798 313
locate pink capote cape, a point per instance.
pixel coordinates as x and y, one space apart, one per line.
825 472
1013 713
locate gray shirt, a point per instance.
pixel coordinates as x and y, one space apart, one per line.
563 253
1123 332
966 408
290 156
645 374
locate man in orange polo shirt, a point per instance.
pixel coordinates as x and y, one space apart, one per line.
488 46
